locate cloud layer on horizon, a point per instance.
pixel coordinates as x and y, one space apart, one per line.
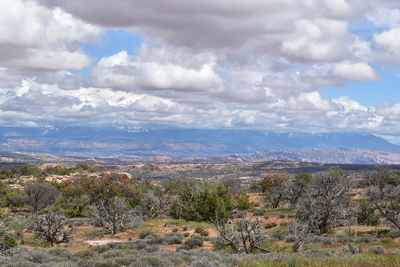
216 64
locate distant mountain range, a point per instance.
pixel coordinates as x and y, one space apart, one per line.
198 144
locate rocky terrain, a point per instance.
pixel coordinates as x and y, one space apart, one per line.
125 146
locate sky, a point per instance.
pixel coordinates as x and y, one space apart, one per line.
281 65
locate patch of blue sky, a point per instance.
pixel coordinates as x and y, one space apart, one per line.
364 28
224 75
113 42
370 93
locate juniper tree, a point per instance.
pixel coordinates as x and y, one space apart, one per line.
384 194
297 187
326 203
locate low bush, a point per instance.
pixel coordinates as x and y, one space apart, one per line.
290 238
153 239
201 231
153 248
387 240
144 234
365 238
278 236
394 233
151 261
193 242
239 214
7 240
376 250
172 238
352 249
259 212
270 225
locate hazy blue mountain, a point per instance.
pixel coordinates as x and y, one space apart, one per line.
176 143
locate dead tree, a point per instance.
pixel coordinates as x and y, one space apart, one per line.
114 215
52 228
243 236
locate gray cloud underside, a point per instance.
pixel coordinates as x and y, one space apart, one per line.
237 64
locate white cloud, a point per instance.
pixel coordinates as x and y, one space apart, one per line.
389 44
385 17
305 30
318 40
349 105
274 55
356 72
154 69
35 37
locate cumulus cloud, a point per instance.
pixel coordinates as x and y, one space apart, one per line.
237 64
385 17
299 29
35 37
158 69
389 44
356 72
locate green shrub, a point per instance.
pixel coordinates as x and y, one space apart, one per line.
8 196
186 234
203 202
270 225
175 230
201 231
366 214
193 242
7 240
153 239
243 202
